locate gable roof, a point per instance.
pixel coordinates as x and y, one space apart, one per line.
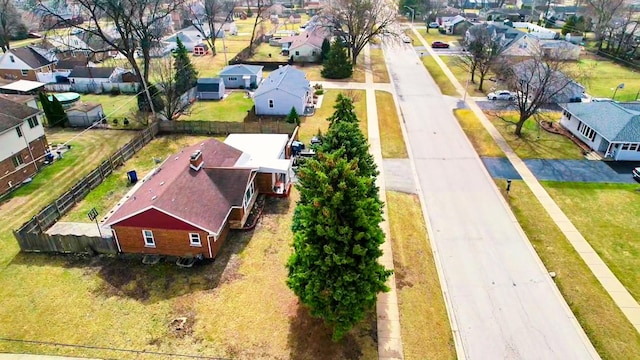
98 72
30 57
306 38
241 69
609 119
286 79
201 198
70 63
14 113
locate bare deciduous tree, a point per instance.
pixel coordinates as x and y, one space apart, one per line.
602 12
357 22
209 23
10 23
138 26
542 79
259 21
482 51
164 76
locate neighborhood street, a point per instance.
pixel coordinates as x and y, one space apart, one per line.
501 302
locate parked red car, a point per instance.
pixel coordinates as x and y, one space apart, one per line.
439 45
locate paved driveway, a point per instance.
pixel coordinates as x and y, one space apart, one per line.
503 303
566 170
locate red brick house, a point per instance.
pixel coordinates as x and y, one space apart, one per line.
22 140
188 205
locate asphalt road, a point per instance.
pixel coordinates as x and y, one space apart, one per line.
505 305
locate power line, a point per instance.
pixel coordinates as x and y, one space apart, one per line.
93 347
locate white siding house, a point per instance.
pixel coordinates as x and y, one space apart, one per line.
285 88
609 128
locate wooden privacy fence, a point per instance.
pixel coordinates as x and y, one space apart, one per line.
31 235
223 127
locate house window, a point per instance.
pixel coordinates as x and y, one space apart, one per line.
33 122
233 78
634 147
194 239
297 53
19 131
626 146
585 130
149 241
12 58
24 72
270 104
248 194
313 53
568 116
17 161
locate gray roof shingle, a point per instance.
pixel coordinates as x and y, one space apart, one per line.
98 72
287 79
31 57
13 113
241 69
610 120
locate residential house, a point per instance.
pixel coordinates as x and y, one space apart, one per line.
210 89
24 63
283 89
563 88
609 128
187 206
295 18
276 10
85 78
190 37
24 143
267 153
22 87
241 76
70 45
84 114
99 49
305 47
563 12
455 25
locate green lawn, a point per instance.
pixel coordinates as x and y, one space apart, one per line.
606 326
234 108
107 194
434 35
477 134
391 138
603 76
607 216
263 51
115 107
446 87
87 152
535 142
419 296
318 122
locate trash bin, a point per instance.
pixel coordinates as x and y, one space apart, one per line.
132 176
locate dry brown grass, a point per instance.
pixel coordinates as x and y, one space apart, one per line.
379 66
392 140
426 333
477 134
311 124
606 326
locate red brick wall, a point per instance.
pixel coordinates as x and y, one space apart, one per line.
168 242
8 171
17 75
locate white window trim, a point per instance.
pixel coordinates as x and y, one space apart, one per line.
144 238
251 189
24 72
193 243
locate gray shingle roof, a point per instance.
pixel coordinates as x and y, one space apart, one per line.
98 72
241 69
31 57
208 85
610 120
287 79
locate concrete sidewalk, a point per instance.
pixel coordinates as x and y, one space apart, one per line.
388 315
600 270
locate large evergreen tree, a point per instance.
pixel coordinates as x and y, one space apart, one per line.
324 50
344 111
46 107
186 75
59 113
337 64
334 269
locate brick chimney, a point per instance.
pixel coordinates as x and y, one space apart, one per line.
196 161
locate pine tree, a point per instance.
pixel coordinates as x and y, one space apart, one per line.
324 50
344 111
46 107
58 112
186 75
569 25
337 64
293 117
334 269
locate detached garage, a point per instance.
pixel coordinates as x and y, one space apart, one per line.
210 89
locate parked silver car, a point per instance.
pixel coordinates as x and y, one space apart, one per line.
502 95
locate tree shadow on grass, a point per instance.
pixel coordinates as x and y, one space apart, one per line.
310 338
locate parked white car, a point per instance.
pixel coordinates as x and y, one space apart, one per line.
406 39
502 95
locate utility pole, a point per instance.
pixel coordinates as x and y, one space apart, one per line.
413 14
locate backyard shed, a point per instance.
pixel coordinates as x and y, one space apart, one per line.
200 49
210 89
83 114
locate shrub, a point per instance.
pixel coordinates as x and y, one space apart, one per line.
293 117
319 92
115 91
